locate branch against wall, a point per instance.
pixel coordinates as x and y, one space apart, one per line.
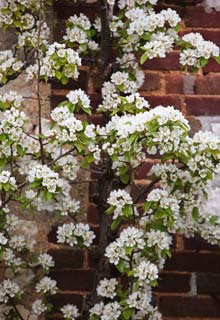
40 167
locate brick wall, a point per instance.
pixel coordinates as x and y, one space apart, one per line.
190 285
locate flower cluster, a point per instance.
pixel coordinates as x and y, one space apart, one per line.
107 288
70 312
9 66
8 289
77 100
75 234
33 38
12 14
110 311
79 34
42 176
121 205
46 285
130 238
7 182
158 130
197 51
59 63
38 307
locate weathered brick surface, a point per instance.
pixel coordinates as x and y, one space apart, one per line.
190 284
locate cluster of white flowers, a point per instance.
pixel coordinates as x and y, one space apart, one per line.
119 94
7 182
141 301
59 62
18 243
132 3
38 307
12 13
46 261
10 99
159 45
69 165
11 260
67 205
8 289
79 97
70 125
46 178
33 38
146 272
160 129
79 33
47 285
107 288
204 152
110 311
160 240
155 30
119 200
9 65
162 199
75 234
3 239
130 237
12 123
70 312
200 51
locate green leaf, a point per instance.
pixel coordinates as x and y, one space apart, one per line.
47 196
217 59
128 313
110 210
129 250
128 211
121 266
3 161
115 224
144 58
20 150
64 80
195 214
125 178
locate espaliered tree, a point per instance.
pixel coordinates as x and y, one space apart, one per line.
39 169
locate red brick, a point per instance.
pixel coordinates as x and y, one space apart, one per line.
209 84
67 258
173 282
212 66
198 17
198 244
68 9
93 214
81 82
195 125
194 262
142 171
208 283
171 62
203 106
74 280
97 119
61 299
168 100
179 306
174 83
152 82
